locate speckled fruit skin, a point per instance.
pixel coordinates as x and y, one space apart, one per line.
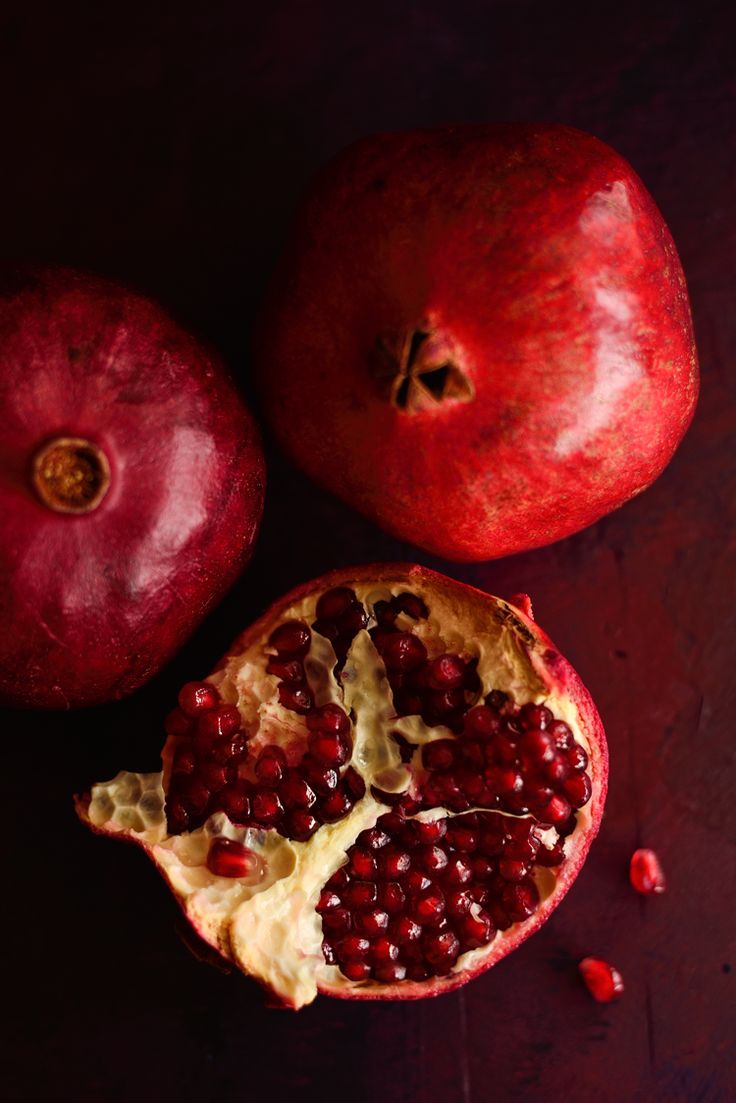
545 279
92 605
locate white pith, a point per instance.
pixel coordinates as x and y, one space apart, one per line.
268 925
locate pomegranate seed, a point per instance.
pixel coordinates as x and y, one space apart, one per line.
497 699
362 865
215 777
177 817
475 930
481 722
334 603
432 859
556 812
535 748
337 922
416 882
412 605
228 858
373 838
520 900
417 972
335 806
383 951
295 698
270 766
301 825
295 791
561 734
339 880
353 947
458 903
482 868
287 670
394 863
440 754
578 790
356 970
328 901
391 822
329 954
385 614
504 780
372 922
353 621
521 841
220 721
291 639
577 757
458 870
197 697
323 779
194 796
234 801
556 770
511 869
534 716
177 723
266 806
537 796
402 652
329 748
500 750
354 784
228 748
446 672
405 930
441 948
185 762
329 718
553 856
646 873
361 894
567 828
389 973
430 831
391 897
461 837
603 981
430 907
493 837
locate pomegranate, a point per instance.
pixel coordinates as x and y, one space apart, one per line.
646 873
603 981
385 787
131 488
495 318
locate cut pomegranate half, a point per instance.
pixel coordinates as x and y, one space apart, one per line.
387 785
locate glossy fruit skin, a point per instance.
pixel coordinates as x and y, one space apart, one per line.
92 605
546 279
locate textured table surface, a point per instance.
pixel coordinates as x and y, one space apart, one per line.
168 148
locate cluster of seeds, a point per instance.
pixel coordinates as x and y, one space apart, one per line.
212 754
414 895
520 760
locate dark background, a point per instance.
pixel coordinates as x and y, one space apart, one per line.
168 146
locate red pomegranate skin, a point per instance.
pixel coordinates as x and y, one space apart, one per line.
93 603
557 372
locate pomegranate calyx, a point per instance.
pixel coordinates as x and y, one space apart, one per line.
70 474
419 369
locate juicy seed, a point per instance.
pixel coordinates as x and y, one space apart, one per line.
228 858
270 766
295 698
446 672
372 922
301 825
291 639
329 718
197 697
335 806
329 747
646 873
335 603
353 947
442 948
603 981
389 973
267 808
220 721
356 970
402 652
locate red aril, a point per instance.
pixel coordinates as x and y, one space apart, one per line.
509 332
603 981
131 489
646 873
385 872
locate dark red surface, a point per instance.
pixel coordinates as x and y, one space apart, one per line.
167 149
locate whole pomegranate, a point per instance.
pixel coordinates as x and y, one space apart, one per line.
131 487
385 787
480 336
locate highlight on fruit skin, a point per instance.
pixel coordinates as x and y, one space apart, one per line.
603 981
510 332
646 873
387 784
